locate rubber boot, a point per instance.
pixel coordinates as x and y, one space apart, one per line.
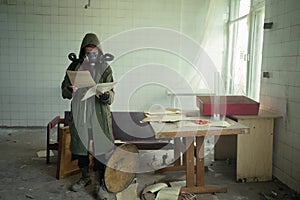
83 181
97 182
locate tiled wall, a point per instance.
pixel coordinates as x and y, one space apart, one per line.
37 35
281 92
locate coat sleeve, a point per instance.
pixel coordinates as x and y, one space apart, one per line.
65 85
108 78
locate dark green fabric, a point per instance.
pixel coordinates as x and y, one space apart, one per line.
78 128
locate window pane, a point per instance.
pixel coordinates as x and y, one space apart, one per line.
256 58
239 8
244 68
240 57
244 7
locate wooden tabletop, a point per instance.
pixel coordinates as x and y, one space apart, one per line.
261 114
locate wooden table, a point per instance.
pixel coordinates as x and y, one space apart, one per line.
194 134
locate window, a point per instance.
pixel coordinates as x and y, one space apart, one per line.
245 36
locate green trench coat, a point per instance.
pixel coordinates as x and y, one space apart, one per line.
93 113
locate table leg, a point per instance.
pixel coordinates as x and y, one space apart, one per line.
190 162
200 161
199 187
183 151
193 186
177 151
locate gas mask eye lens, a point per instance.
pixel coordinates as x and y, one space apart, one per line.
92 53
92 57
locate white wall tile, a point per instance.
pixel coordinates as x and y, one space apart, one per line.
45 32
292 5
281 92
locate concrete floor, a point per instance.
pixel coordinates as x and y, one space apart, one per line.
23 175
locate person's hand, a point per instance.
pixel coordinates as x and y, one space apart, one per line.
73 88
98 93
105 96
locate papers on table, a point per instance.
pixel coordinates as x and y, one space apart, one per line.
175 116
163 115
166 111
221 124
162 118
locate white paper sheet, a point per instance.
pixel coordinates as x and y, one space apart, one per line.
99 88
42 153
154 188
169 193
163 112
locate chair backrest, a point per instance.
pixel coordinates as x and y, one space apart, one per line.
54 122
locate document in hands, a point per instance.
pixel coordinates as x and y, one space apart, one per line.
82 79
97 89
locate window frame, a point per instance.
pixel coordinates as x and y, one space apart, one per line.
256 8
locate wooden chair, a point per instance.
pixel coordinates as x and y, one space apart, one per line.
55 122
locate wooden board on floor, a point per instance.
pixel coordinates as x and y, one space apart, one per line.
65 165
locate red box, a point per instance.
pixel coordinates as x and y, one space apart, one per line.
227 105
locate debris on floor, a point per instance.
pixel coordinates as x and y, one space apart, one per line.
29 196
265 196
150 191
281 192
162 191
187 196
128 193
169 193
26 176
42 153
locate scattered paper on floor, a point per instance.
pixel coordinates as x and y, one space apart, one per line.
129 193
169 193
149 191
155 187
42 153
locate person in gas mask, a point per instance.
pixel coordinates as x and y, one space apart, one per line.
90 120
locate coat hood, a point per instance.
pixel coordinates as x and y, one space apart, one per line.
89 39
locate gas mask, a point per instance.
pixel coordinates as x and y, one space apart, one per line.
92 58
